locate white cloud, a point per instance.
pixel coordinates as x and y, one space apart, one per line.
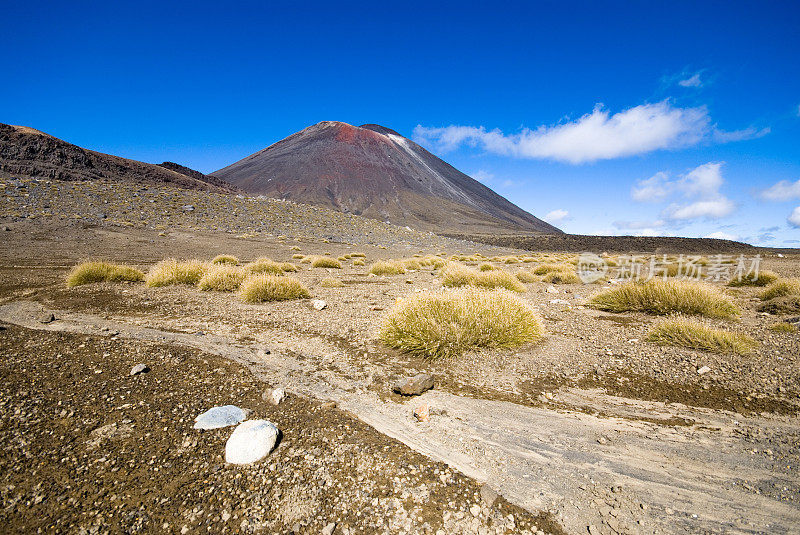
692 81
711 209
556 216
595 136
719 235
782 191
700 188
794 218
653 189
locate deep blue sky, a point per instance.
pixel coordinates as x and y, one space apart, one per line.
205 84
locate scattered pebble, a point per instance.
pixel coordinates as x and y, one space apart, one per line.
139 368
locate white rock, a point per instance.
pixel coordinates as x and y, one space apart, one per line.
551 289
475 510
318 304
704 369
217 417
251 441
139 368
328 530
277 395
559 302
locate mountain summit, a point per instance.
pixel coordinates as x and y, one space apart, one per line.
373 171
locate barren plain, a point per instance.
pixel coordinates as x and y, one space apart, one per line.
591 430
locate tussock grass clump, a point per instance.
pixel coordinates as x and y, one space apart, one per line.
171 271
764 278
358 262
383 267
544 269
695 335
222 278
455 275
307 260
486 267
298 256
562 277
264 265
225 259
265 287
783 327
527 277
433 262
358 255
331 282
667 297
781 288
450 322
324 262
98 271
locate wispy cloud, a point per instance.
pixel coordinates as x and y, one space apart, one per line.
599 135
719 235
485 177
794 218
556 215
692 81
699 189
782 191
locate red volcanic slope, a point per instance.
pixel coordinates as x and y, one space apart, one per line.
375 172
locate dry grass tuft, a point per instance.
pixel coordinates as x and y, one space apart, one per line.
456 275
264 265
171 271
324 262
358 262
358 255
222 278
265 287
486 267
98 271
390 267
544 269
694 335
225 259
331 282
781 288
783 327
450 322
667 297
527 277
298 256
765 277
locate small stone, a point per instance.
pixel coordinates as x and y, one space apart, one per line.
188 208
669 511
602 440
47 317
409 281
475 510
488 495
551 289
217 417
328 530
329 405
251 441
318 304
422 413
225 516
184 530
593 529
7 229
616 489
139 368
414 386
275 396
703 370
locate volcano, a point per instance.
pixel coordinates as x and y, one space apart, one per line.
375 172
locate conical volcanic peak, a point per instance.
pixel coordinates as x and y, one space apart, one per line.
373 171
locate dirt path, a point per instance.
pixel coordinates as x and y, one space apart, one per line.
625 471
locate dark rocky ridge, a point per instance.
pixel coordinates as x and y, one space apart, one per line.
375 172
31 153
